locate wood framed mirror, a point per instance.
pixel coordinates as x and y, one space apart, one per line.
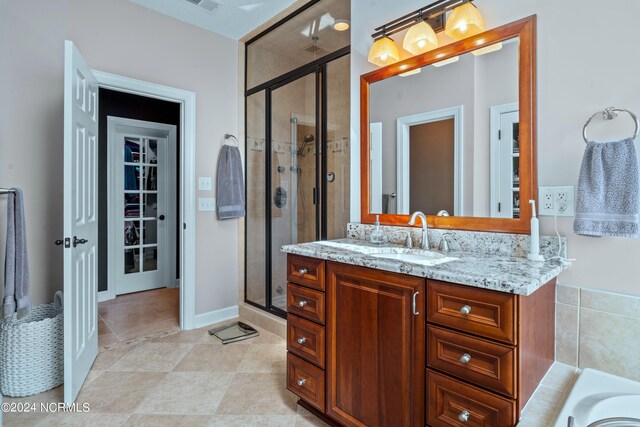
454 130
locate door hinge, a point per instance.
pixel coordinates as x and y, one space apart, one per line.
184 225
499 134
315 195
499 206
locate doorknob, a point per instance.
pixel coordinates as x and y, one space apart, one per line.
161 217
77 241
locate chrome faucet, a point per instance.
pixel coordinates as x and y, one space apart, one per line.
425 235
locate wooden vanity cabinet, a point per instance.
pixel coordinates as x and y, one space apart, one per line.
374 348
487 351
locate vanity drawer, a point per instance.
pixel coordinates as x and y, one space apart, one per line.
306 339
485 363
305 302
482 312
306 271
305 380
453 403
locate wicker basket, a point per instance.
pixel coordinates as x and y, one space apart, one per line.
32 351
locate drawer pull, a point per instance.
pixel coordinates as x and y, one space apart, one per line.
303 271
465 309
302 303
463 416
303 340
465 358
301 382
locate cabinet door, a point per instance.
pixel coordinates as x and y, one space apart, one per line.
375 345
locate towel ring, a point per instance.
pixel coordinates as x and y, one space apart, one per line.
610 114
228 136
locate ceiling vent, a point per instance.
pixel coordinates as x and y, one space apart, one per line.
315 50
207 5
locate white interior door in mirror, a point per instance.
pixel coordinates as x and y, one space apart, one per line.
505 161
375 167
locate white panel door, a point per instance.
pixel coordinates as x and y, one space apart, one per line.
142 217
80 221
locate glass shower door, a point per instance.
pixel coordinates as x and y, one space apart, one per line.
294 160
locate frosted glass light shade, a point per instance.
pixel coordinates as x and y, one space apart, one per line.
464 21
420 39
384 52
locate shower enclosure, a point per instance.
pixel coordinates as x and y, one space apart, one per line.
297 143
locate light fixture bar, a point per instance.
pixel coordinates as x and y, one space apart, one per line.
433 14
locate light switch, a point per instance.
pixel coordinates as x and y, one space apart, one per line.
207 204
204 183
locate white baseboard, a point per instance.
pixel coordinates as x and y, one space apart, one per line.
103 296
211 317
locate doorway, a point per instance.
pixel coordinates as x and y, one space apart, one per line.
138 181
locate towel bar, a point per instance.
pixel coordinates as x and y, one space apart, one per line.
6 190
611 113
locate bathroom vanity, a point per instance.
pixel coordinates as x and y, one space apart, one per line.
374 340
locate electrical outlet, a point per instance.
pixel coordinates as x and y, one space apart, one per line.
557 201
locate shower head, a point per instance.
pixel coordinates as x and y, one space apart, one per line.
308 139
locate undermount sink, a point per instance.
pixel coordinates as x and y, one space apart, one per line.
415 256
427 258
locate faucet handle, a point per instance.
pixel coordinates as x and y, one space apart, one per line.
444 243
409 240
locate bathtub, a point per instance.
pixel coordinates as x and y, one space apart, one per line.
597 398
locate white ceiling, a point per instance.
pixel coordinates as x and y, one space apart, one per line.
234 18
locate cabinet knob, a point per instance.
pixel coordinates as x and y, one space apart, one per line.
301 340
302 303
303 271
463 416
465 309
301 382
465 358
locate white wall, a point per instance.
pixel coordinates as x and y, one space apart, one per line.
118 37
586 61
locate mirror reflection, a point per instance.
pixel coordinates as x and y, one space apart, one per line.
444 140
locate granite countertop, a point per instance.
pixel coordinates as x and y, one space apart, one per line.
489 271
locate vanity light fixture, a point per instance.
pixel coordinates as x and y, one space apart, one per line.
341 24
465 20
420 38
384 52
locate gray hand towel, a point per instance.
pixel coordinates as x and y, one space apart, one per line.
608 200
16 266
230 184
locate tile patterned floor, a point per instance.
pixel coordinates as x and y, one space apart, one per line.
181 379
133 315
